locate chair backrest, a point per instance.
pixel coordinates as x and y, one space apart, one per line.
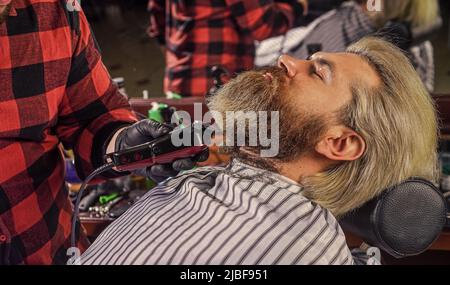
404 221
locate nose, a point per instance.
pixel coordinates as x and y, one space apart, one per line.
289 64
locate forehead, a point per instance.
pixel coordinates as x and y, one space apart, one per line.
351 67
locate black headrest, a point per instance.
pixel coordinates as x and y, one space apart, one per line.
404 221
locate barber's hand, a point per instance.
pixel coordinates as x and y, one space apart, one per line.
146 131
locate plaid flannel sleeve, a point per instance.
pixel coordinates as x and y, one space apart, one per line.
92 109
263 19
157 20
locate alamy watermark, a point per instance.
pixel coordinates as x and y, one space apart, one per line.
374 6
74 255
241 129
374 254
73 5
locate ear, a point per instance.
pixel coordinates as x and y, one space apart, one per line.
341 144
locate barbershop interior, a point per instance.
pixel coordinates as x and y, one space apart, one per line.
224 132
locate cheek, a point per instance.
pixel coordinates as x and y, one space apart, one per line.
309 98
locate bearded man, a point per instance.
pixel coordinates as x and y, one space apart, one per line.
351 125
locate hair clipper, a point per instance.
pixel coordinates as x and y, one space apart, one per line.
161 150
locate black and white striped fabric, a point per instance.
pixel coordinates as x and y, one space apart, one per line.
334 32
223 216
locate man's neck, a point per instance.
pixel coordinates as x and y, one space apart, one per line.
307 165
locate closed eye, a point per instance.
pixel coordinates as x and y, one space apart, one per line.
318 75
313 72
326 68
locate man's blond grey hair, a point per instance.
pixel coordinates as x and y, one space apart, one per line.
398 123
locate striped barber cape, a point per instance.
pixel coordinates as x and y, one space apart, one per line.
237 215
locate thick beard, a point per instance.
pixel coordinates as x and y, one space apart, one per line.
5 13
251 91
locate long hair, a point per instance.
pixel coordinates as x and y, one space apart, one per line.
398 123
420 13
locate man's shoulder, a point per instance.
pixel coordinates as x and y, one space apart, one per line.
203 175
48 13
201 171
48 9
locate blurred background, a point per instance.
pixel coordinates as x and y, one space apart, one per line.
120 28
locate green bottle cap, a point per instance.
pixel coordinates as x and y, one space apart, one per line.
155 112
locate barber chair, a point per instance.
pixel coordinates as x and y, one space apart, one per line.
404 221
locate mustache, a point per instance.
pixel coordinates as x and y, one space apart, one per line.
277 73
261 80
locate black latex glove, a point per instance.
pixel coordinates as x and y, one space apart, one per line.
145 131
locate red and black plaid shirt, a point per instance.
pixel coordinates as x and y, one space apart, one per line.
53 88
199 34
